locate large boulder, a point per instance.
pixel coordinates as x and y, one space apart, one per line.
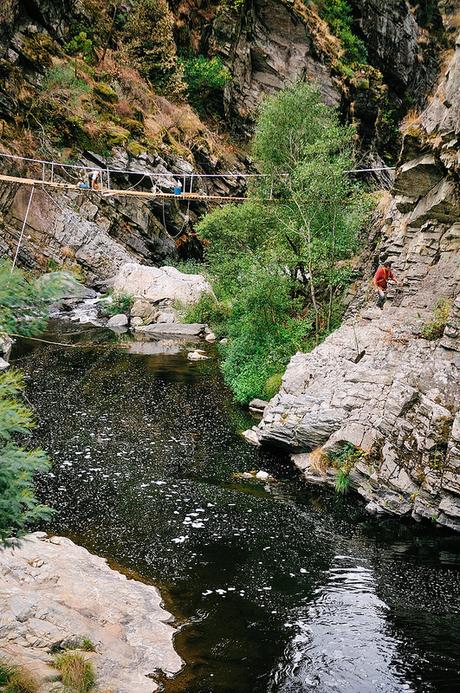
157 284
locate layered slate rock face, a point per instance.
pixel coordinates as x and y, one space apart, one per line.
271 46
377 385
54 592
400 43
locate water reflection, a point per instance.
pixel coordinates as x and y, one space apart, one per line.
342 644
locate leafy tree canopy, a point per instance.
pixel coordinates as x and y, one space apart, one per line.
281 261
23 311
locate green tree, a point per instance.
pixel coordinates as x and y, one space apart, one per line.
23 308
280 261
150 42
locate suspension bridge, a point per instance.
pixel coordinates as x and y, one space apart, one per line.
162 185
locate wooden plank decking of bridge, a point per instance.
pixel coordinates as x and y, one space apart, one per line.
105 192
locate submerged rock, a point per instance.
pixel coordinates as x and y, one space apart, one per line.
54 591
175 329
197 355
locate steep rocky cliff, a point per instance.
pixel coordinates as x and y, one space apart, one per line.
378 401
108 115
102 114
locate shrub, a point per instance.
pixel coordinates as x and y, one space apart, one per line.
342 481
344 462
205 79
338 15
23 311
434 329
76 671
150 42
82 45
17 679
210 311
87 645
121 303
273 385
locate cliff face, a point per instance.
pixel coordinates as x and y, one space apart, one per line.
264 44
104 116
378 400
268 44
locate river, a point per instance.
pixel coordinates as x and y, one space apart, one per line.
277 587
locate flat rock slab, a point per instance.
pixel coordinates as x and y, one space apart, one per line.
175 329
51 589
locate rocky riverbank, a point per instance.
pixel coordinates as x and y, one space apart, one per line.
55 594
378 401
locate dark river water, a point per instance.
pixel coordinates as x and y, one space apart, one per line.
278 587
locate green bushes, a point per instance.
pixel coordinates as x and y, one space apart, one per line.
338 15
16 679
121 303
344 461
279 269
434 329
23 310
205 79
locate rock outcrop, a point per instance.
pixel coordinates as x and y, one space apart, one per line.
381 394
155 284
271 44
55 592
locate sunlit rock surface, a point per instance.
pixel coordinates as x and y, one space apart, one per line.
160 284
52 589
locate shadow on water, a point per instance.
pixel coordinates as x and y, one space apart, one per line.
280 588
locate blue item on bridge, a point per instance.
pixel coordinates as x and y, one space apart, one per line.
178 189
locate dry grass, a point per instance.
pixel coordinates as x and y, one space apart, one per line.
410 122
76 671
323 39
454 20
319 462
17 679
131 85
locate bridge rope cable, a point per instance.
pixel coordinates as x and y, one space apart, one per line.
154 192
227 174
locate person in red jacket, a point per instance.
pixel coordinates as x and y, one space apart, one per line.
380 282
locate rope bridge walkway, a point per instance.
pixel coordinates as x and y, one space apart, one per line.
94 179
163 185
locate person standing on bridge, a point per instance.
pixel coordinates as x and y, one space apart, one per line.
380 282
94 179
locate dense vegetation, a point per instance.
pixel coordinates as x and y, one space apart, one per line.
23 306
339 16
279 267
